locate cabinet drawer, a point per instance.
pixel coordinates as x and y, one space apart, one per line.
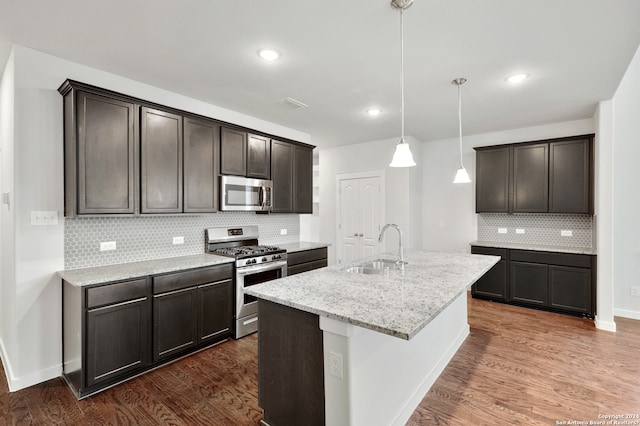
179 280
491 251
115 293
304 267
306 256
548 258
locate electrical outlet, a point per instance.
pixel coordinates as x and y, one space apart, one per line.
566 233
39 218
520 231
107 245
283 232
502 230
178 240
635 291
335 365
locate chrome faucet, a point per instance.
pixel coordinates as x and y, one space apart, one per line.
400 261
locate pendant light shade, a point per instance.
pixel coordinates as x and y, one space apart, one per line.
402 157
461 176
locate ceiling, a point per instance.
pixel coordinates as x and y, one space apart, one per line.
342 58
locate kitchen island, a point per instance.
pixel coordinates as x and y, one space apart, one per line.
345 348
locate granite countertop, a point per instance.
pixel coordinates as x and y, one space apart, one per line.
124 271
399 304
536 247
302 246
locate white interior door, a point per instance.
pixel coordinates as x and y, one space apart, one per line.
360 212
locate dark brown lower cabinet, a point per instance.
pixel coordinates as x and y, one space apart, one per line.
306 260
558 282
290 366
493 284
529 283
118 338
114 331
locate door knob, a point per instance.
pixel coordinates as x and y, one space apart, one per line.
355 235
360 235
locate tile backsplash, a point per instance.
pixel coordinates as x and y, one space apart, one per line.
538 229
151 237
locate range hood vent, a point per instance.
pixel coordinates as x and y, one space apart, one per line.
293 103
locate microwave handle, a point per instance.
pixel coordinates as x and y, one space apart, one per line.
263 196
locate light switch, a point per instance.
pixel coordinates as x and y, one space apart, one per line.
520 231
502 230
107 245
40 218
566 233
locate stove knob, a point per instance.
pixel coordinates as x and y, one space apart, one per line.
276 257
264 259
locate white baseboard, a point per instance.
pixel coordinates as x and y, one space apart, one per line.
627 313
605 325
33 378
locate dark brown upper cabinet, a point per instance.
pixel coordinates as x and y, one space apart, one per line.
551 176
244 154
233 152
201 152
530 178
303 180
571 176
292 174
493 180
161 161
101 153
258 157
282 176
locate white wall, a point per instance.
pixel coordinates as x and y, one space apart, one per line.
400 207
626 195
448 209
7 215
32 332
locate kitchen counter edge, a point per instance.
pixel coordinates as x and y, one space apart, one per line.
535 247
125 271
302 246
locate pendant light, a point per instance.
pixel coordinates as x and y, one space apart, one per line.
461 176
402 157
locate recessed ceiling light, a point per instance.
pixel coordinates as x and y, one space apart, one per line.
268 54
517 78
374 111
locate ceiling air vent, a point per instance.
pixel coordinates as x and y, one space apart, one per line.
293 103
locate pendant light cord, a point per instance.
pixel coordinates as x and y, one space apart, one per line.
402 75
460 122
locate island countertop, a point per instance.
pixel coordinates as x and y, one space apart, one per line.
399 304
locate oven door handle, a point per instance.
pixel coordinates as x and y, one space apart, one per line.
248 270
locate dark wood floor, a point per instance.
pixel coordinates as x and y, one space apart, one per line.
518 367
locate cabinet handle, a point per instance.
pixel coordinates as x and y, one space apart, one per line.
128 302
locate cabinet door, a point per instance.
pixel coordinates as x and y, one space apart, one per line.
174 322
570 289
529 283
492 180
493 284
303 180
258 157
215 308
161 152
233 152
282 176
530 178
107 158
200 166
570 177
117 340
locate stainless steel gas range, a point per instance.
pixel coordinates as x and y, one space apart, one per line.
254 264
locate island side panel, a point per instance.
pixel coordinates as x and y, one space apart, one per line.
290 366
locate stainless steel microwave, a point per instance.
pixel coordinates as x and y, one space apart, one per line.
245 194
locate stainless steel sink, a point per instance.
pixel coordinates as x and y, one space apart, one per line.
377 266
366 271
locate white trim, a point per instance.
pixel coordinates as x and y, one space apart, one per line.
30 379
605 325
428 381
627 313
379 173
